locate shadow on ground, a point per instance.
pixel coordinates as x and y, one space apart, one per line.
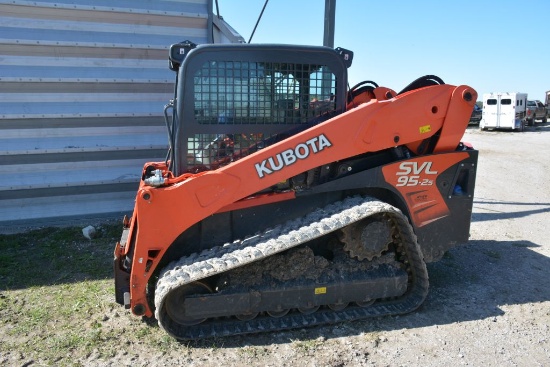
491 213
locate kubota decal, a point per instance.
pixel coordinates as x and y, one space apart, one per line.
290 156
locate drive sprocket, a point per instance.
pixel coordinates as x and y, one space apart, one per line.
367 238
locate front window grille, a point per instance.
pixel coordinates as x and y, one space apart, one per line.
235 95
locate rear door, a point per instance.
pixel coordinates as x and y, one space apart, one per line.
507 111
491 108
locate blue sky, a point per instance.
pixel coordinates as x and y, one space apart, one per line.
491 46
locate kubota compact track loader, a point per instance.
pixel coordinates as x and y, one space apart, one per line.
288 199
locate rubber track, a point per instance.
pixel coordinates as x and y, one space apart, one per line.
316 224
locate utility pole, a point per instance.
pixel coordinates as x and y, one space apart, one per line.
330 11
328 41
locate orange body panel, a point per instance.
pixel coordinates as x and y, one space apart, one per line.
164 213
415 181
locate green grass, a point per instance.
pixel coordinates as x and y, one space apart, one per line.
57 302
52 256
57 298
57 305
253 352
307 346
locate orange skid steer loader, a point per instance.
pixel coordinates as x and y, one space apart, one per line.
288 199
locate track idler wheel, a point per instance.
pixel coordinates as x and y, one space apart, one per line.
338 306
308 310
365 303
247 316
278 313
175 301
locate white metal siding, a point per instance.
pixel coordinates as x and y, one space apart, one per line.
83 84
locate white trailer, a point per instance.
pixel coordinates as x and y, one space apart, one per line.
504 111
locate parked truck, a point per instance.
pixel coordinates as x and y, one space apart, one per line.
535 110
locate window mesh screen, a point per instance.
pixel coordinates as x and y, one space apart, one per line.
210 151
235 94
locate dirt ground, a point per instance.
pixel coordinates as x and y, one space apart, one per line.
489 300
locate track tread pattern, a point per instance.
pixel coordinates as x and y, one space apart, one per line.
293 233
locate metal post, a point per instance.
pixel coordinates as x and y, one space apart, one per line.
328 41
330 11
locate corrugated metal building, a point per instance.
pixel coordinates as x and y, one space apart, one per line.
83 84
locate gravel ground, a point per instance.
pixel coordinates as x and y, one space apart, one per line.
489 300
